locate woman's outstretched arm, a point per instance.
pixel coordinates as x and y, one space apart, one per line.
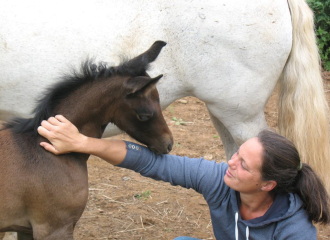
64 138
202 175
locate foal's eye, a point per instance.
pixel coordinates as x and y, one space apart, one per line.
144 117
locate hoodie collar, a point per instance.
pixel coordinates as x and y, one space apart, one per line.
284 206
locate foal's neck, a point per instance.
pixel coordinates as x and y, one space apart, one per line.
91 107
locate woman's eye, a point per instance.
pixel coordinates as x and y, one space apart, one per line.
243 166
143 118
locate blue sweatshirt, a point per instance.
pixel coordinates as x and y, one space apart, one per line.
285 219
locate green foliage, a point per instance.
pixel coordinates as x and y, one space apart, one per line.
321 10
178 121
143 195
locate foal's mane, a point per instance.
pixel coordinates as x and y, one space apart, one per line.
89 72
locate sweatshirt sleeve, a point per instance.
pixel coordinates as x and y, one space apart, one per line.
206 177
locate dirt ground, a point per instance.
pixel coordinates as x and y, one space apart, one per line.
124 205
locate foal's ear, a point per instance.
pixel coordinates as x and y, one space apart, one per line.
140 84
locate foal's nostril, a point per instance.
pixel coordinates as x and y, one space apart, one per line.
169 147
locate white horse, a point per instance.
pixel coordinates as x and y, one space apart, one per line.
229 54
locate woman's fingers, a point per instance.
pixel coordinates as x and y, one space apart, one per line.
62 119
47 134
43 129
58 120
54 121
49 148
58 125
61 133
47 125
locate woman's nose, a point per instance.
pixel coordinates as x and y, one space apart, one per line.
231 163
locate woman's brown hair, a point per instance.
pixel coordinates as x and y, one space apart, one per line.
281 163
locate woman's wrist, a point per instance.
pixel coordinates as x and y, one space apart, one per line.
85 144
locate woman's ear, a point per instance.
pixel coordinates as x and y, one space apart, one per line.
268 186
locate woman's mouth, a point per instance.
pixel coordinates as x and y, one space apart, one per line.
229 174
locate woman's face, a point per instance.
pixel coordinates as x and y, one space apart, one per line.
243 174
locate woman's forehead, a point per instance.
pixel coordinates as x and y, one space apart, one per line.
251 152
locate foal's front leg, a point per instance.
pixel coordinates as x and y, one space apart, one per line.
62 233
65 235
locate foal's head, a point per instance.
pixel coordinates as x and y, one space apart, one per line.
124 95
138 111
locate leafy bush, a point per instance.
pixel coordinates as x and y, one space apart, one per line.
321 10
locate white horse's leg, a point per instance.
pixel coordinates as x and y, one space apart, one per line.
10 236
246 129
235 129
227 140
111 130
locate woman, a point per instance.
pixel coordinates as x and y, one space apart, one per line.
264 192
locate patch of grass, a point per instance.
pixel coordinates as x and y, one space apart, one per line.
144 195
178 121
168 230
177 145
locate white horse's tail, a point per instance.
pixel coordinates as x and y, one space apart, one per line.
303 109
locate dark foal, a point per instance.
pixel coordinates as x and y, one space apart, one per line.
43 195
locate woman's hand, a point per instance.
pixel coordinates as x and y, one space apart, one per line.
64 137
62 134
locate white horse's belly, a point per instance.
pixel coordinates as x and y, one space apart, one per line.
223 52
